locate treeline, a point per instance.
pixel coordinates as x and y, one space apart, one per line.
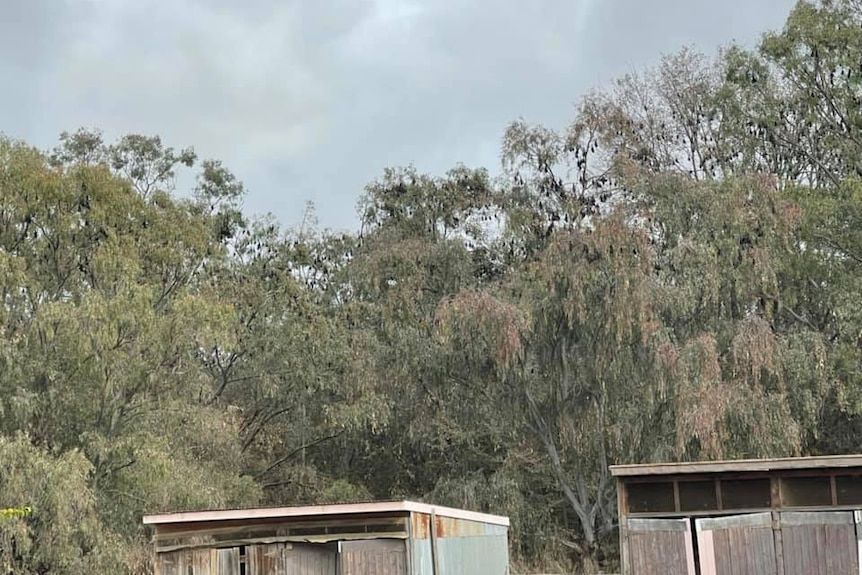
675 276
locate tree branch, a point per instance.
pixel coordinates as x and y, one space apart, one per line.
296 452
838 246
578 504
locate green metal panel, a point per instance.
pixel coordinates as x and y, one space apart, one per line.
420 553
463 547
496 530
487 555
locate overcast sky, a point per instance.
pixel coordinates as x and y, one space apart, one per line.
311 99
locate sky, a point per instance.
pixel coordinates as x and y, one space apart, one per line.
309 100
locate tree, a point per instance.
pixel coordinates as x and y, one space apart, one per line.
60 530
673 276
104 315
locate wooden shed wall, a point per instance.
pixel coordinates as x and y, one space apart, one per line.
660 546
771 543
741 544
186 562
790 516
234 533
374 557
822 543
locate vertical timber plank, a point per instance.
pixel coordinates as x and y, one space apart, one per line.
623 515
857 518
227 562
778 541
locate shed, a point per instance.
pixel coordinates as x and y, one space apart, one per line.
379 538
792 516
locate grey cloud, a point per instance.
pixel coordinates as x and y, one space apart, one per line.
311 99
238 86
472 67
31 31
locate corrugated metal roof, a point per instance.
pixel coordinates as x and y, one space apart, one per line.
307 511
825 462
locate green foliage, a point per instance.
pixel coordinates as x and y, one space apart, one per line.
16 511
61 530
104 321
675 276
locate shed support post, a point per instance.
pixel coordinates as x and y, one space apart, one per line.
779 543
857 518
435 565
622 514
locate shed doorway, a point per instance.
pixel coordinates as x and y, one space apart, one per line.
373 557
770 543
278 559
660 547
743 544
787 542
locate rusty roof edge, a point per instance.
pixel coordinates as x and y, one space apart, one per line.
427 508
323 510
738 465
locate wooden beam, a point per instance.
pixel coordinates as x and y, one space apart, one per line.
745 465
622 513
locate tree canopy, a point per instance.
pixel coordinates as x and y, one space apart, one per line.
676 275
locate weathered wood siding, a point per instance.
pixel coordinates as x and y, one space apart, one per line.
377 556
819 543
265 559
171 537
292 559
227 561
186 562
737 545
660 547
418 544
